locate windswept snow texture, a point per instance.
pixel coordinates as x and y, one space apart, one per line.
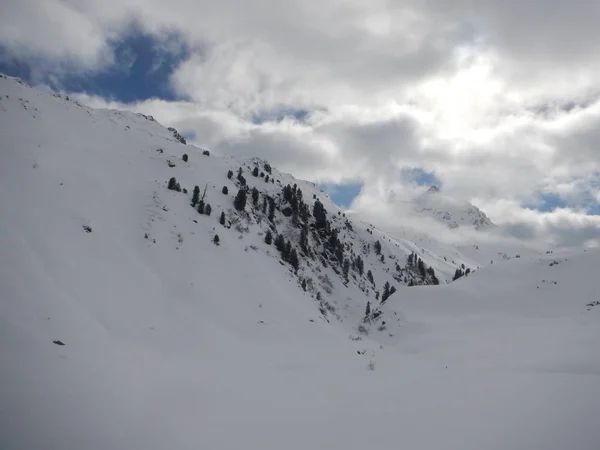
173 342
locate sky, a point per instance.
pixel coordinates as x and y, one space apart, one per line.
496 102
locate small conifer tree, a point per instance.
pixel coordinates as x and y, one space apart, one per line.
196 196
294 261
268 237
240 200
386 291
280 243
377 247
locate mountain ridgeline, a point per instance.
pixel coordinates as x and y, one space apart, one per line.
341 263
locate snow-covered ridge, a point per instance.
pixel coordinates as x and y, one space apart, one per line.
451 212
173 341
342 264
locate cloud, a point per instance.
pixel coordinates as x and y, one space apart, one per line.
498 99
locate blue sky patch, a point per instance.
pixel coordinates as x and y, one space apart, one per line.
420 176
342 194
279 115
547 202
143 63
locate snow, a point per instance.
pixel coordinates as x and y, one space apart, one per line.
183 344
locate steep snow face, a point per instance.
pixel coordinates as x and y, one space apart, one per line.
173 341
452 213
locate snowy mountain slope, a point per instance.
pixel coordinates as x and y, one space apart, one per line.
451 212
74 150
175 342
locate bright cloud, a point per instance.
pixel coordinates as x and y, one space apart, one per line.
497 98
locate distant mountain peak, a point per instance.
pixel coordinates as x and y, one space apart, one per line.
452 212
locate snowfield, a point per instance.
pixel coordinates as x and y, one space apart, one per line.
173 342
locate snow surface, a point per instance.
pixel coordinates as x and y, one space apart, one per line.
451 212
174 342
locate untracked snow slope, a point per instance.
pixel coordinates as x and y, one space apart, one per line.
175 342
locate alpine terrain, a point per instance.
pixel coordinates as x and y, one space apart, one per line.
154 295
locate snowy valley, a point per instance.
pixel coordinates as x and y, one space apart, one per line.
210 302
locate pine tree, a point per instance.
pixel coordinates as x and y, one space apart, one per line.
377 247
320 215
287 251
304 240
421 267
264 207
287 193
173 185
216 239
304 284
386 291
240 200
368 309
185 157
196 196
267 179
255 172
207 210
370 277
457 274
201 207
280 243
268 237
346 268
360 265
271 209
267 168
294 261
229 174
222 218
225 190
254 195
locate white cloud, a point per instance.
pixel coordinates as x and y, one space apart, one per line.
498 98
